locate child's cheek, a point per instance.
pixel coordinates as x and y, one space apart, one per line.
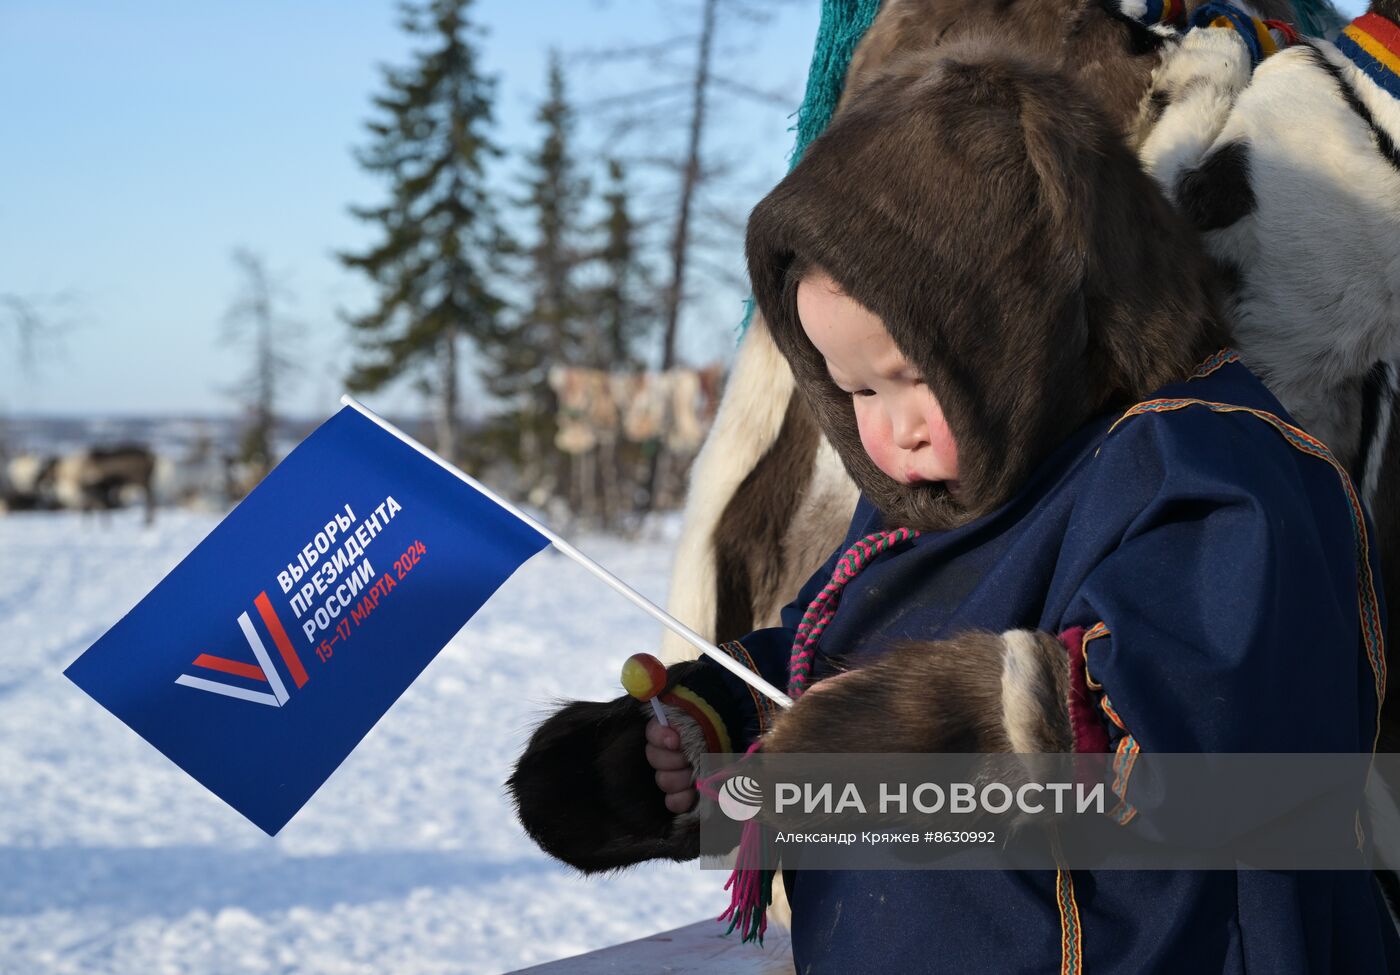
875 438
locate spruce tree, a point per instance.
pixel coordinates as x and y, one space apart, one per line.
623 311
623 316
440 239
551 329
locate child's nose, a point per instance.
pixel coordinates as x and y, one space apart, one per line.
909 431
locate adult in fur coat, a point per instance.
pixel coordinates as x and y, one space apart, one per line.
1139 549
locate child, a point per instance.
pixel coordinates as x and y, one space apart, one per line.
1083 526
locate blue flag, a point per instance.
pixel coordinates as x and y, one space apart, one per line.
261 661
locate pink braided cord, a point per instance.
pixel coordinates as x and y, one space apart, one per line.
750 884
823 608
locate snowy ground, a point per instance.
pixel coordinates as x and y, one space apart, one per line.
408 860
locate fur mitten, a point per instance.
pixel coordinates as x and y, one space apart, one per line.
977 692
585 792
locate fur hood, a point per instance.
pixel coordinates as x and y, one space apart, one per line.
992 216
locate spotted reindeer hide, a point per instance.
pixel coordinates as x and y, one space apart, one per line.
1298 198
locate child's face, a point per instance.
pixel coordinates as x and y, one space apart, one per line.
901 424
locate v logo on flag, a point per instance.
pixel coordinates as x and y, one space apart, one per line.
265 672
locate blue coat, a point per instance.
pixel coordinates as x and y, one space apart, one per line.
1211 550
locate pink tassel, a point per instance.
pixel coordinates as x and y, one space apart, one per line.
752 887
750 883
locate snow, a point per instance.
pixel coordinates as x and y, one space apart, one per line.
408 860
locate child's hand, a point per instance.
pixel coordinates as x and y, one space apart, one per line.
674 776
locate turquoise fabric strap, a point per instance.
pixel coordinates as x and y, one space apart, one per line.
1318 18
843 24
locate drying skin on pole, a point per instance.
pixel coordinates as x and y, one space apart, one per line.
269 652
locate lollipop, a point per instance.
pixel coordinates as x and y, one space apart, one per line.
644 677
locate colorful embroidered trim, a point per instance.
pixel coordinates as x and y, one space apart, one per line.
1124 758
716 735
1108 709
1371 634
1255 33
1373 44
1092 633
763 707
1221 358
823 608
1071 934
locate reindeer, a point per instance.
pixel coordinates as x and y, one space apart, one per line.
95 479
28 479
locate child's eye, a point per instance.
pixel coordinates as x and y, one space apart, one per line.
864 392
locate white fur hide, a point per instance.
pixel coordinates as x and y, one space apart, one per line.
1318 257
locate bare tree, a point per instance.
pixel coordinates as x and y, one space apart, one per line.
652 108
35 326
255 322
690 179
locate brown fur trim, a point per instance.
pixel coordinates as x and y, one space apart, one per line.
753 539
994 219
977 692
750 539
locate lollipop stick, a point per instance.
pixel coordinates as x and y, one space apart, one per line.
660 714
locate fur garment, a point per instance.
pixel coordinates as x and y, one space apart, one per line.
1024 175
767 493
1148 528
1306 217
585 793
975 692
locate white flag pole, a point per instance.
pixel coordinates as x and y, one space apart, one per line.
646 605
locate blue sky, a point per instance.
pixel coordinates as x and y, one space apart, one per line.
145 140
